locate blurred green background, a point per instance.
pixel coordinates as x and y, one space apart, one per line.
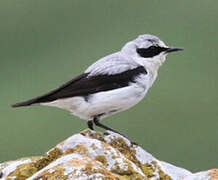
44 43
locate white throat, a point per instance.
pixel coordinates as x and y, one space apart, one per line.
152 64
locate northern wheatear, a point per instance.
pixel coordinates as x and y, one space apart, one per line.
112 84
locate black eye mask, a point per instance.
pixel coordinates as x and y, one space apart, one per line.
150 52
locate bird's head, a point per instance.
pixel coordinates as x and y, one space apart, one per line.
148 50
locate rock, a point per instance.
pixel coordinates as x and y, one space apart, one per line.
204 175
91 155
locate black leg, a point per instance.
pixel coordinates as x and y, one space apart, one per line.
90 125
97 123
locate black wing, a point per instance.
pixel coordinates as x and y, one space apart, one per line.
84 85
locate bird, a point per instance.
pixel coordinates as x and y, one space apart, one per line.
112 84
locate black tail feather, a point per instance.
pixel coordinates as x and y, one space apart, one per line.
24 103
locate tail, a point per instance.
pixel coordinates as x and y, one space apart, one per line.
25 103
34 101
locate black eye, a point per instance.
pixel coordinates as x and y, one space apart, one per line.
150 52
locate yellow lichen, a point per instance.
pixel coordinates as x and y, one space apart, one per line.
88 170
148 170
93 134
57 173
129 173
127 150
135 177
94 147
26 170
75 162
23 172
213 174
52 155
81 149
101 159
117 169
68 151
121 145
162 175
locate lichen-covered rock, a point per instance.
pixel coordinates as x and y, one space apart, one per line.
204 175
19 169
91 155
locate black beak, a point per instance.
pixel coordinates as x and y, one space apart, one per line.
172 49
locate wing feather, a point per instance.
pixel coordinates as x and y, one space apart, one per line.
84 85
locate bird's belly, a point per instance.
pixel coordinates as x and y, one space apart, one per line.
107 103
103 103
